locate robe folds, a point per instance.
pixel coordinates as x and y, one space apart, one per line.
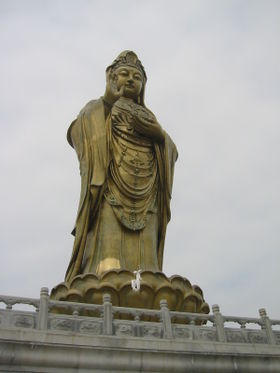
99 236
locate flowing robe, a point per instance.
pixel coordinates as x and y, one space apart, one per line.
102 240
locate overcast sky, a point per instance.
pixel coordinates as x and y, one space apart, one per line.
214 84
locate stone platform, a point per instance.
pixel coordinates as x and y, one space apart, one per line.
119 339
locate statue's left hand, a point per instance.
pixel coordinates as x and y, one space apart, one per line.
147 124
143 120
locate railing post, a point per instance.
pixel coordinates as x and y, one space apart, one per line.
267 326
166 320
219 322
107 315
43 309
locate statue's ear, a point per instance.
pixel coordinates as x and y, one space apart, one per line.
113 77
107 75
110 76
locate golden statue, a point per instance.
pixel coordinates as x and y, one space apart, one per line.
126 166
126 163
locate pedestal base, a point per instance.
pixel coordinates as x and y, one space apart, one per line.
180 294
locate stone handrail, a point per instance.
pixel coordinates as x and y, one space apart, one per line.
242 321
192 318
76 308
11 301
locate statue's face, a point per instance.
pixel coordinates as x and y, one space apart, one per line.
130 80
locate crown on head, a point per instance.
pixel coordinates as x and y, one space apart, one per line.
128 58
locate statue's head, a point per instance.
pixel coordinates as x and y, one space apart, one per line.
126 73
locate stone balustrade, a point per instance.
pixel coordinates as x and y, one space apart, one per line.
105 319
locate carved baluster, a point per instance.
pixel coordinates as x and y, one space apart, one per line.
219 323
9 301
76 311
166 320
242 324
192 320
137 327
9 306
43 309
267 326
107 315
194 331
6 321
